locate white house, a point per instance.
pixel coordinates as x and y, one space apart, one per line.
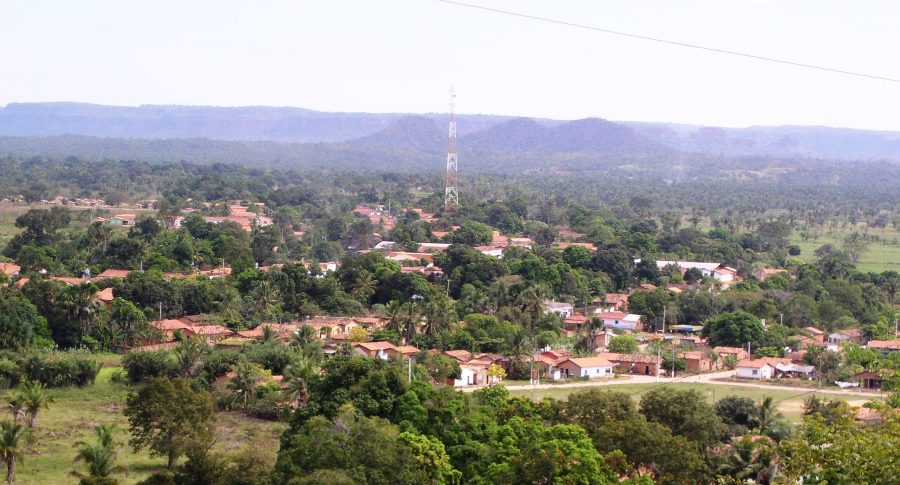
755 369
620 320
560 308
590 367
495 251
471 375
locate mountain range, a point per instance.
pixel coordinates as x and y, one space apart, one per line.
296 136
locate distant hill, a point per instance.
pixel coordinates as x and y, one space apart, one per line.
777 141
153 132
250 123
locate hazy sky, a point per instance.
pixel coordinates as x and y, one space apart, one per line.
402 56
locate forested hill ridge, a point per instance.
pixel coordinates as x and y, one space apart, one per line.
298 125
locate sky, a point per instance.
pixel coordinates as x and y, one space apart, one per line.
403 56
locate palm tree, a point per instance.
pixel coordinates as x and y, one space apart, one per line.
189 354
439 315
11 447
268 336
589 332
101 457
766 415
366 285
303 336
531 301
243 384
750 458
16 408
33 397
518 347
297 377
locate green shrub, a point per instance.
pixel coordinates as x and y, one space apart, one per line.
60 369
144 364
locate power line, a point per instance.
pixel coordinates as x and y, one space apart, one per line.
671 42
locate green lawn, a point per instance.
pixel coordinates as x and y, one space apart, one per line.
74 413
878 256
791 406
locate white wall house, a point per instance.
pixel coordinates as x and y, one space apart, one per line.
560 308
755 369
620 320
590 367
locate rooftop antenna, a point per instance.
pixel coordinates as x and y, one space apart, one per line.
451 195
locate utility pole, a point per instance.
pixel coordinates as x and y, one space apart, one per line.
160 311
664 321
673 362
657 364
451 194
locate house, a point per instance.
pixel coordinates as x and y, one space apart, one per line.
755 369
648 365
493 250
870 380
431 247
167 328
574 322
590 367
621 320
697 361
852 335
402 352
461 356
884 347
104 296
11 270
766 273
794 370
471 375
738 353
378 350
563 245
560 308
114 273
725 274
612 302
210 333
126 220
411 257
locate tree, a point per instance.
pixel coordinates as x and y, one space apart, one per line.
19 319
32 397
766 416
495 373
100 458
169 416
623 344
588 334
734 329
686 413
11 447
737 413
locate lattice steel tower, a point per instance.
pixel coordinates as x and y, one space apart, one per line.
451 194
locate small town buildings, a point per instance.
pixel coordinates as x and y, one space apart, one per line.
461 356
126 220
590 367
612 302
402 352
471 374
852 335
376 350
210 333
492 250
793 370
738 353
648 365
870 380
621 320
104 296
755 369
114 273
884 347
168 327
697 361
10 269
560 308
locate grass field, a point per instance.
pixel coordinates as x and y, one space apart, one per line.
74 413
791 406
878 256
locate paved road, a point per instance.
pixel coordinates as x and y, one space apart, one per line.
700 378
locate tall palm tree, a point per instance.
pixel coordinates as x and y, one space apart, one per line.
33 398
439 315
268 336
531 300
589 332
750 458
11 449
766 415
243 384
303 336
100 457
297 377
190 355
